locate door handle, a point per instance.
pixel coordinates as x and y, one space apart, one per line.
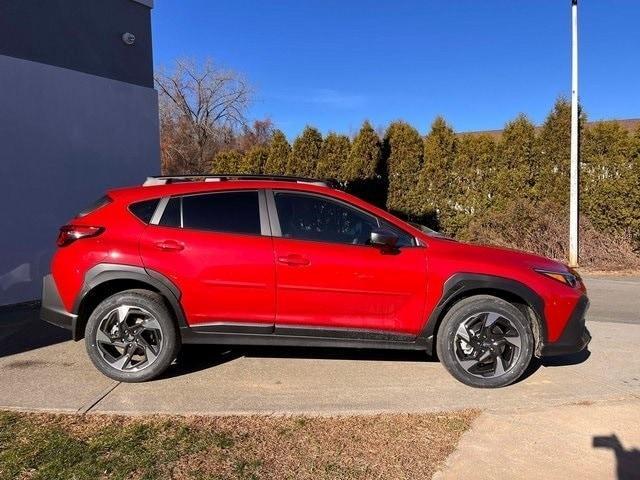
169 245
294 260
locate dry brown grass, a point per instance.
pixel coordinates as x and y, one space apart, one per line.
543 229
244 447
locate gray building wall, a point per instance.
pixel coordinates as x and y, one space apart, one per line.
65 137
83 35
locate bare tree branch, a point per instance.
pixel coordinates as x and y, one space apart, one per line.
200 104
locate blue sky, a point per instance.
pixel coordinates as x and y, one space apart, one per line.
333 64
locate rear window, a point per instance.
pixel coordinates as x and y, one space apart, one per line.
101 202
233 212
144 210
171 214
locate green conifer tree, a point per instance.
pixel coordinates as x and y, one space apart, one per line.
278 157
553 152
403 148
364 158
333 157
254 160
471 182
635 197
227 161
434 185
609 178
517 162
305 153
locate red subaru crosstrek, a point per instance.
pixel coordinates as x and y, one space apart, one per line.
284 261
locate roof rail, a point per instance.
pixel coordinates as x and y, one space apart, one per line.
165 179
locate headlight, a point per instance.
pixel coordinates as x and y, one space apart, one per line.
567 278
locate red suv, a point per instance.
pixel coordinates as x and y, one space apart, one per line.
286 261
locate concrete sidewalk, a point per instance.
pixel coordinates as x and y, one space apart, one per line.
41 370
61 378
600 440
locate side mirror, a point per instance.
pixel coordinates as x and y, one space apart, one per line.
383 238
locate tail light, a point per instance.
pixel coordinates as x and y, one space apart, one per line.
70 233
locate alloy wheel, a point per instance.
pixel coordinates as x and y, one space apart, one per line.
487 345
129 338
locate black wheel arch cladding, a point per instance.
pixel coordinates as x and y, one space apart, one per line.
105 273
462 285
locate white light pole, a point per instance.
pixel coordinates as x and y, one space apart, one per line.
573 201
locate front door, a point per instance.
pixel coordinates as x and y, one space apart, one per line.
329 277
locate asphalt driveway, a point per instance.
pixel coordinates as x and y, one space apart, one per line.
41 370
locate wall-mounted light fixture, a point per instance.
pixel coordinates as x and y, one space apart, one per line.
128 38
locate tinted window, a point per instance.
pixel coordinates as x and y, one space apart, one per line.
235 212
309 217
144 210
101 202
171 214
404 239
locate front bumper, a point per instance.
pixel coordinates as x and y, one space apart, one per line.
575 337
53 310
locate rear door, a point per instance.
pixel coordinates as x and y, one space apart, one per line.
216 247
329 277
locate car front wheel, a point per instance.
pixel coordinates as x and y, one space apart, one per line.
485 342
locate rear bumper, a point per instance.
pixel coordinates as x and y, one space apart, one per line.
53 310
575 337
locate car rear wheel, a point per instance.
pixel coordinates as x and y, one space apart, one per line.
131 336
485 342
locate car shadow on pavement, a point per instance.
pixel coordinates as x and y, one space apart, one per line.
627 461
194 358
558 361
564 360
341 354
21 330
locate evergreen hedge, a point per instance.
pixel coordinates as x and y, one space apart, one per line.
456 182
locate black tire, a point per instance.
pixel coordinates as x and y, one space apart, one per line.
450 353
164 332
